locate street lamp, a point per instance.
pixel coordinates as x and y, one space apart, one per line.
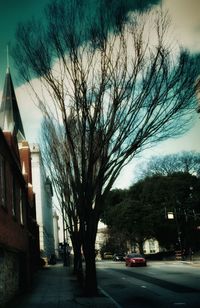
172 216
65 245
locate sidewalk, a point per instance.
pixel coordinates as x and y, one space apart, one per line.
55 287
192 263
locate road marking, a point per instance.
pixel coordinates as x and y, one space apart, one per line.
143 287
111 298
179 304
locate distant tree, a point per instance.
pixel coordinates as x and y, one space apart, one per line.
115 242
177 193
121 91
129 217
115 197
135 220
117 239
142 214
171 163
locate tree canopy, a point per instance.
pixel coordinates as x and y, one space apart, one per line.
171 163
143 213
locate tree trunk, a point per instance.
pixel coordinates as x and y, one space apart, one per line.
90 270
78 268
140 244
89 237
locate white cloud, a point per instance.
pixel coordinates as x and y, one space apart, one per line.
30 113
185 18
188 142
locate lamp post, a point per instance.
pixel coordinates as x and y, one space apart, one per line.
178 233
173 216
64 240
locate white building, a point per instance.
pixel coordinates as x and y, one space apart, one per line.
101 237
149 246
43 195
56 233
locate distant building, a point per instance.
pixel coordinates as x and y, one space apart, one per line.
44 212
149 246
101 238
19 232
56 233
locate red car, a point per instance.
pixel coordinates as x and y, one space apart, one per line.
135 259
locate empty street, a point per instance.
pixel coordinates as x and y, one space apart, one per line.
166 284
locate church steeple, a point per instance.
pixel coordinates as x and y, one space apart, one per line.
8 62
10 119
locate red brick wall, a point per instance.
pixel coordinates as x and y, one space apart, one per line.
25 157
19 238
12 232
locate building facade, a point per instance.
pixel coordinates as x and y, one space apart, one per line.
150 246
44 212
56 229
19 232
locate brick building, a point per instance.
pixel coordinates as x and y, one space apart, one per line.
19 233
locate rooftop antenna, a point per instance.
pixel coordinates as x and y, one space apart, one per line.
8 63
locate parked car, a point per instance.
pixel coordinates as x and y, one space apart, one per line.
135 259
107 256
118 257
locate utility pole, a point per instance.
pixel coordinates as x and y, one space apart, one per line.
173 216
178 232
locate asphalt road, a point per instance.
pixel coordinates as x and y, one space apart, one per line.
160 284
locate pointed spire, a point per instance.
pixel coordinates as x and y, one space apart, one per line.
9 112
8 62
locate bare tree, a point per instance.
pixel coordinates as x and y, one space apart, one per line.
188 162
121 91
56 162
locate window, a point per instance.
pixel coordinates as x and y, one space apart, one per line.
2 182
152 246
13 197
21 208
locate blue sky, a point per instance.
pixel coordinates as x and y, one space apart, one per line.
14 11
11 13
186 21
